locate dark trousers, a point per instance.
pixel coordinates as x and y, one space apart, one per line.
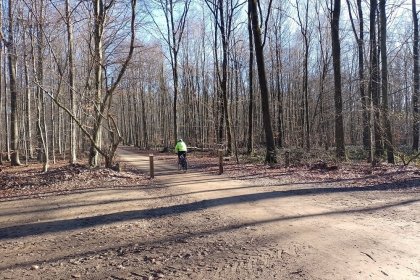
182 153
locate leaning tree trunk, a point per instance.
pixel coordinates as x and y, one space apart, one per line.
265 103
336 53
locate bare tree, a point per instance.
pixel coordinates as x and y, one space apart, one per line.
73 139
336 53
364 97
173 37
12 58
38 68
103 98
270 156
389 145
374 80
224 16
305 31
251 84
28 101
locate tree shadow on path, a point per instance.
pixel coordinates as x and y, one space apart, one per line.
18 231
215 230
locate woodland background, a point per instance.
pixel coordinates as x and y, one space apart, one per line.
87 76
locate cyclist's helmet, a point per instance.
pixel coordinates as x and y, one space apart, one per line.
179 140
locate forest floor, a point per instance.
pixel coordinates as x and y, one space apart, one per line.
252 222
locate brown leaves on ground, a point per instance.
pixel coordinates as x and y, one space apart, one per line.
30 181
346 174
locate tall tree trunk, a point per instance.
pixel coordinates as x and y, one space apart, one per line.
53 130
73 140
28 113
174 37
2 90
279 83
374 81
99 14
303 119
175 111
367 144
12 57
416 82
250 85
6 110
364 98
336 54
265 103
389 145
223 84
42 124
143 117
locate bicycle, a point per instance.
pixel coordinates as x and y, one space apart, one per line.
182 163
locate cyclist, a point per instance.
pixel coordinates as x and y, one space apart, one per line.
181 148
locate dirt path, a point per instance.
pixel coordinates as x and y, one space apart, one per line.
199 226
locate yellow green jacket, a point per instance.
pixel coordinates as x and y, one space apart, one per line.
180 147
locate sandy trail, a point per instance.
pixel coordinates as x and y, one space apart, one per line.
336 237
201 226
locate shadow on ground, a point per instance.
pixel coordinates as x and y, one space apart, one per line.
18 231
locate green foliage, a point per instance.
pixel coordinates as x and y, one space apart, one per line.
356 153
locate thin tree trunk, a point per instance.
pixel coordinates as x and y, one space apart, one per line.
279 90
6 111
367 144
174 38
363 95
73 139
250 85
223 85
374 81
53 131
12 57
46 154
28 114
143 117
389 145
416 78
304 106
40 79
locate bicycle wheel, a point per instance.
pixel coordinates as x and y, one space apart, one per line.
185 164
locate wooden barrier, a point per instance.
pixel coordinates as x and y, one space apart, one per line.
220 162
152 167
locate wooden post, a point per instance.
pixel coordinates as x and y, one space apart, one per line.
220 162
152 167
287 159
